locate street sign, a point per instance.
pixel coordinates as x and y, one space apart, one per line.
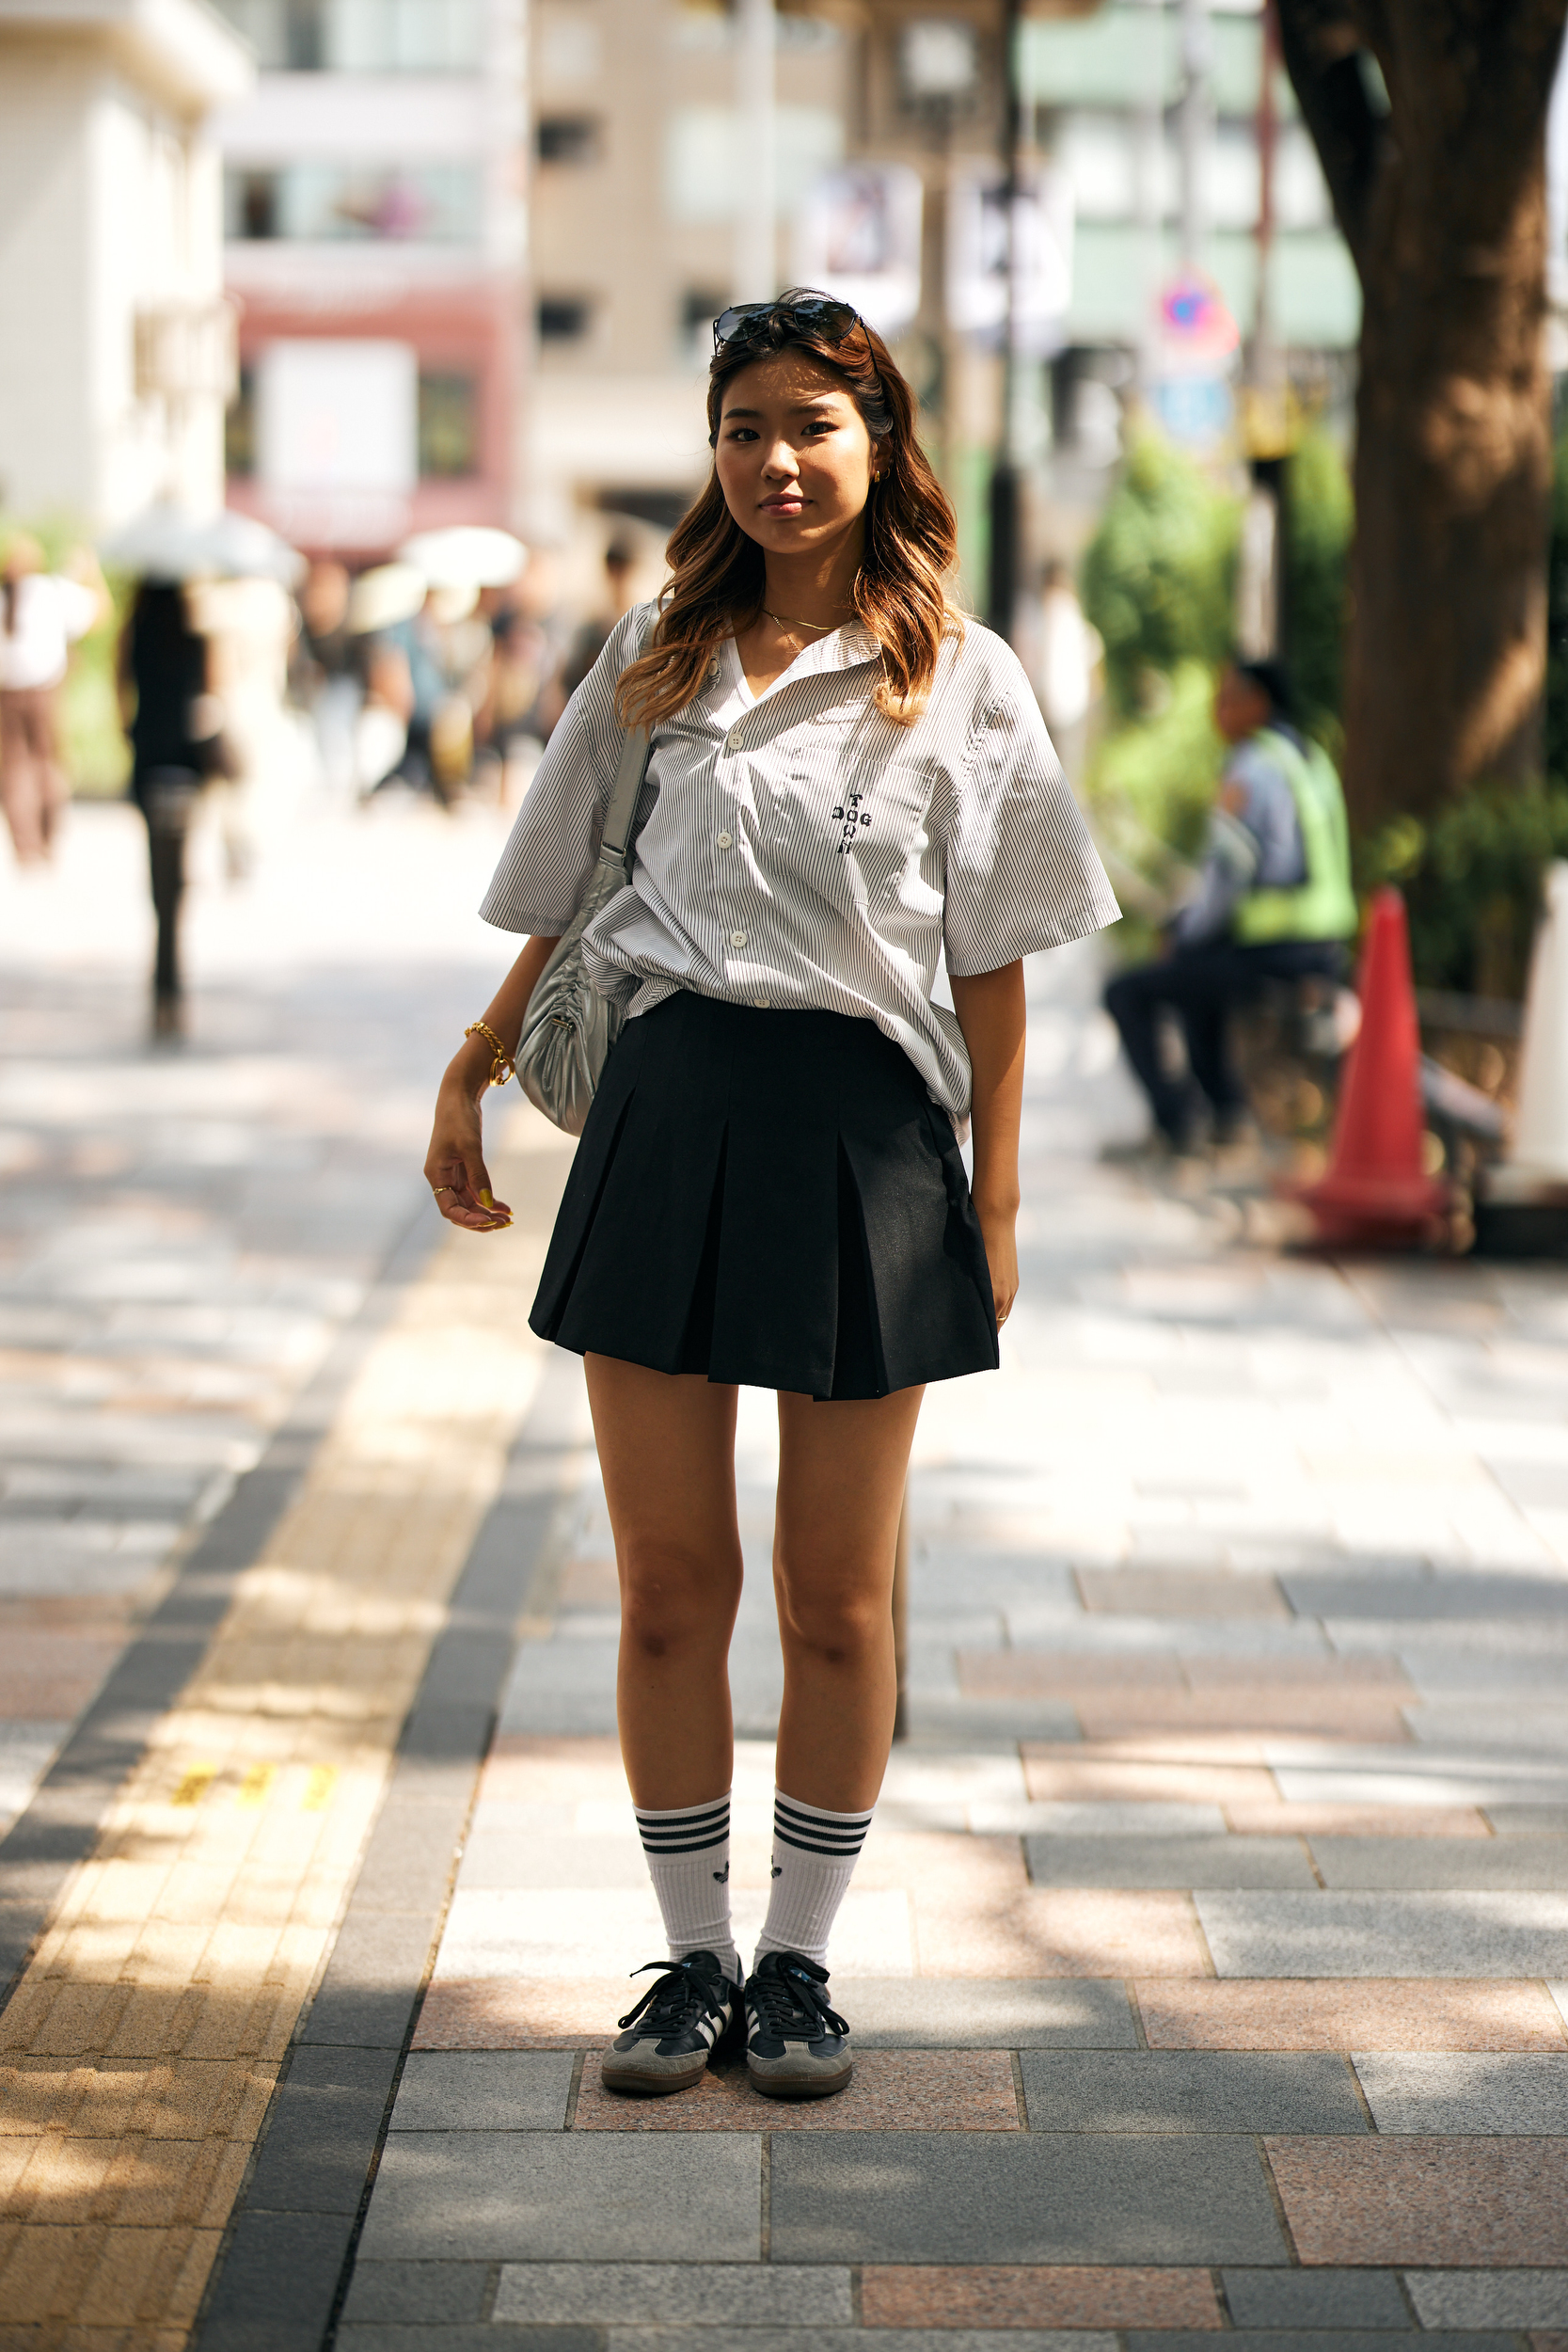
858 237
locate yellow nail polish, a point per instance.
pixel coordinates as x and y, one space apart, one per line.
488 1200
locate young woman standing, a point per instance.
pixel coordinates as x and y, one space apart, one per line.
845 780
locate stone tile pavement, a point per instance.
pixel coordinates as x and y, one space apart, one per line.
1208 1958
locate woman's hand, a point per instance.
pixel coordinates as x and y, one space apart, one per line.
992 1014
454 1165
999 1230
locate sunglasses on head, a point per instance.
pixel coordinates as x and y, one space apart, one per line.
810 314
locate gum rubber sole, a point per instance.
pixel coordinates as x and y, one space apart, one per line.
630 2079
801 2087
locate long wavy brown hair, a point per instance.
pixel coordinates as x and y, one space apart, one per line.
718 570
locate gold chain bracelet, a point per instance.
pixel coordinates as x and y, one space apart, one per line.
503 1066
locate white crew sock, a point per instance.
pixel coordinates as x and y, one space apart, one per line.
688 1861
815 1854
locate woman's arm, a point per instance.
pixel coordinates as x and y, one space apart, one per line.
989 1007
455 1161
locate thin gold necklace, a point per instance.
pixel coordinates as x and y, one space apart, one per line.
822 629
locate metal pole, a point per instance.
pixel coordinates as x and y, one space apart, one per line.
901 1618
1003 585
756 260
1196 127
1148 139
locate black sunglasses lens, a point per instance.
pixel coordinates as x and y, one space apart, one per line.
821 315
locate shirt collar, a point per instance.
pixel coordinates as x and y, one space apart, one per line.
846 648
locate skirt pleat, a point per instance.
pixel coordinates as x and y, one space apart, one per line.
768 1198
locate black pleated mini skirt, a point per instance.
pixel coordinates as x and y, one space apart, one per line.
771 1198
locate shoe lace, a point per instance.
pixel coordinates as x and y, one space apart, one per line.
669 2003
792 2006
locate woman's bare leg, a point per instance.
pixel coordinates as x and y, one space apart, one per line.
667 1450
841 1488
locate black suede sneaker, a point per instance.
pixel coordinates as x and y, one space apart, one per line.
667 2039
796 2047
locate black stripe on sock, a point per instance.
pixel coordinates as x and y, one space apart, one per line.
807 1845
651 1818
690 1845
826 1823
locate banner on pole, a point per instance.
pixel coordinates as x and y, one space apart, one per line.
857 235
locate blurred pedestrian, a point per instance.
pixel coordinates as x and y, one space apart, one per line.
620 568
327 675
768 1190
1274 902
43 614
176 744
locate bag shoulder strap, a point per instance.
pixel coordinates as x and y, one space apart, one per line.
630 770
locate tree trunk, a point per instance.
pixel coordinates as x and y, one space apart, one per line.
1443 203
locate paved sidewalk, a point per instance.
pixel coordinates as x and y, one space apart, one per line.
1201 1957
1207 1957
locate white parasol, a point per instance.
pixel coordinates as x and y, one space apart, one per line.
165 542
465 555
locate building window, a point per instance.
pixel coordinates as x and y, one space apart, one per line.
239 427
448 424
338 203
568 138
362 36
564 318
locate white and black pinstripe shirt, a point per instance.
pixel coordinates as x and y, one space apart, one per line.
803 851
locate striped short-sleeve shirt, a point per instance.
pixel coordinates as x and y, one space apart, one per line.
801 851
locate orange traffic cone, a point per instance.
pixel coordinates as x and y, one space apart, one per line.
1376 1192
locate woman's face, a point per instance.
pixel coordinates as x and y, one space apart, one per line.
793 458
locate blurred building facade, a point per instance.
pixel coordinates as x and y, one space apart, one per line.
117 354
375 231
638 174
889 120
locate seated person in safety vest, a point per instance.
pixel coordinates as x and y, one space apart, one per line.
1274 902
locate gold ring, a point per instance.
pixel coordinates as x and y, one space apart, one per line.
437 1190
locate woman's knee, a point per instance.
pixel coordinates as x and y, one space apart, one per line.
675 1596
840 1620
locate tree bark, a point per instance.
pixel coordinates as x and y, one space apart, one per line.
1441 195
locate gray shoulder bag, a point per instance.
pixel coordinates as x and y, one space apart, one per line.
569 1027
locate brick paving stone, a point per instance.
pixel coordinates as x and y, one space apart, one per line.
511 2013
1044 2295
537 2196
1179 1862
888 2339
1489 2298
1315 2298
497 2091
1131 1591
1420 2091
892 2090
988 2198
1179 2091
1463 1863
1414 2014
413 2294
975 1928
967 2012
690 2294
1324 2340
1396 1934
484 2338
1416 2201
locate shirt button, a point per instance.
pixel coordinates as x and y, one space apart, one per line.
737 939
762 1003
732 740
726 841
